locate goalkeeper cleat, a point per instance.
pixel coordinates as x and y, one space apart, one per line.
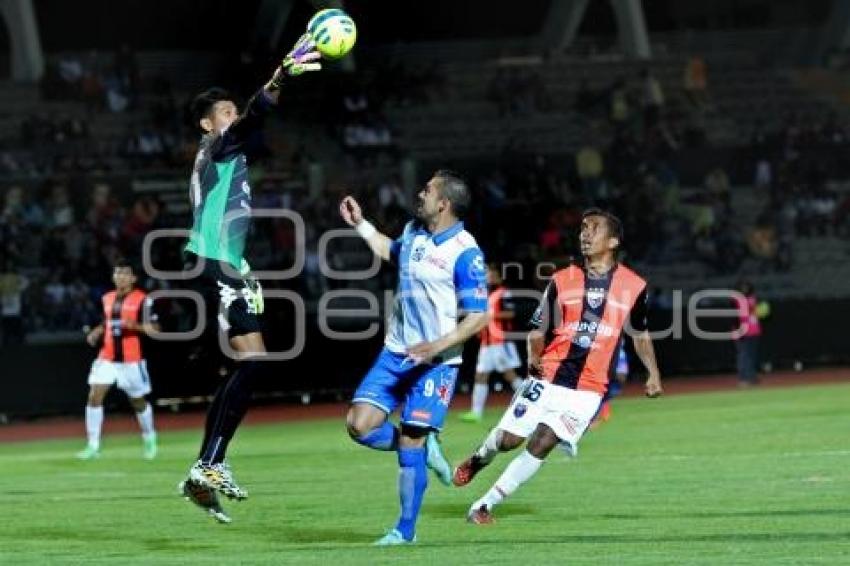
217 477
467 470
88 453
436 461
205 498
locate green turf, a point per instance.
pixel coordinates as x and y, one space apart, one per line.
751 477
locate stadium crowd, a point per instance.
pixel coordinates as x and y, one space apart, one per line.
63 222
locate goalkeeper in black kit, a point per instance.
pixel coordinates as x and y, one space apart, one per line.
220 194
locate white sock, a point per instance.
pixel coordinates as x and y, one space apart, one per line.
146 422
94 422
479 397
490 447
519 471
517 383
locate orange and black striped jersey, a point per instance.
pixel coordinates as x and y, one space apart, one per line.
582 318
498 302
120 344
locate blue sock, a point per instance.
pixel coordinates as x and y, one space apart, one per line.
412 482
385 437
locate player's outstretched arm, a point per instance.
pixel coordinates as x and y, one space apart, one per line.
301 59
351 213
646 352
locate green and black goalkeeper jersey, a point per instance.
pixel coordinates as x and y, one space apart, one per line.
219 189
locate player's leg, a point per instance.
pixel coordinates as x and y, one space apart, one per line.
368 426
517 423
375 399
134 380
424 412
565 415
144 414
496 441
520 470
94 420
412 483
229 406
480 390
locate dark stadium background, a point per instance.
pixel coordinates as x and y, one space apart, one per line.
481 87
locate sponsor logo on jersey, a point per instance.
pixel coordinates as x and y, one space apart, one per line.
423 415
591 327
437 261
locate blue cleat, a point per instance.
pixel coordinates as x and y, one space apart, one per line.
393 538
436 461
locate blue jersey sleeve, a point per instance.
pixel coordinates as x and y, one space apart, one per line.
470 277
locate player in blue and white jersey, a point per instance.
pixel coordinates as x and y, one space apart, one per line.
441 302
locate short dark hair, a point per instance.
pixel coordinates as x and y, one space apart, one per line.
615 226
454 189
203 103
125 263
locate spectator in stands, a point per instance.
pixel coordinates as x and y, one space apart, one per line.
764 175
653 98
750 314
12 287
763 244
619 105
590 168
717 185
696 81
391 195
60 213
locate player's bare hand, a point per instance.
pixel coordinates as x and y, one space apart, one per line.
93 337
350 211
423 352
653 387
535 365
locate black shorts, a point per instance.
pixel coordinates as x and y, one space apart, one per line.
232 304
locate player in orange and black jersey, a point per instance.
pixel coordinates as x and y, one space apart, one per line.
572 357
120 360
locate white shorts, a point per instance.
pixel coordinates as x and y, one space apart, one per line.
498 357
566 411
131 377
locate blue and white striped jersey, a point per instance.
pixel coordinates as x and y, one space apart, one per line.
441 277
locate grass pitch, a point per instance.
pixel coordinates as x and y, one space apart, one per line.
750 477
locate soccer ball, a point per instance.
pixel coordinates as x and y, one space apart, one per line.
334 33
